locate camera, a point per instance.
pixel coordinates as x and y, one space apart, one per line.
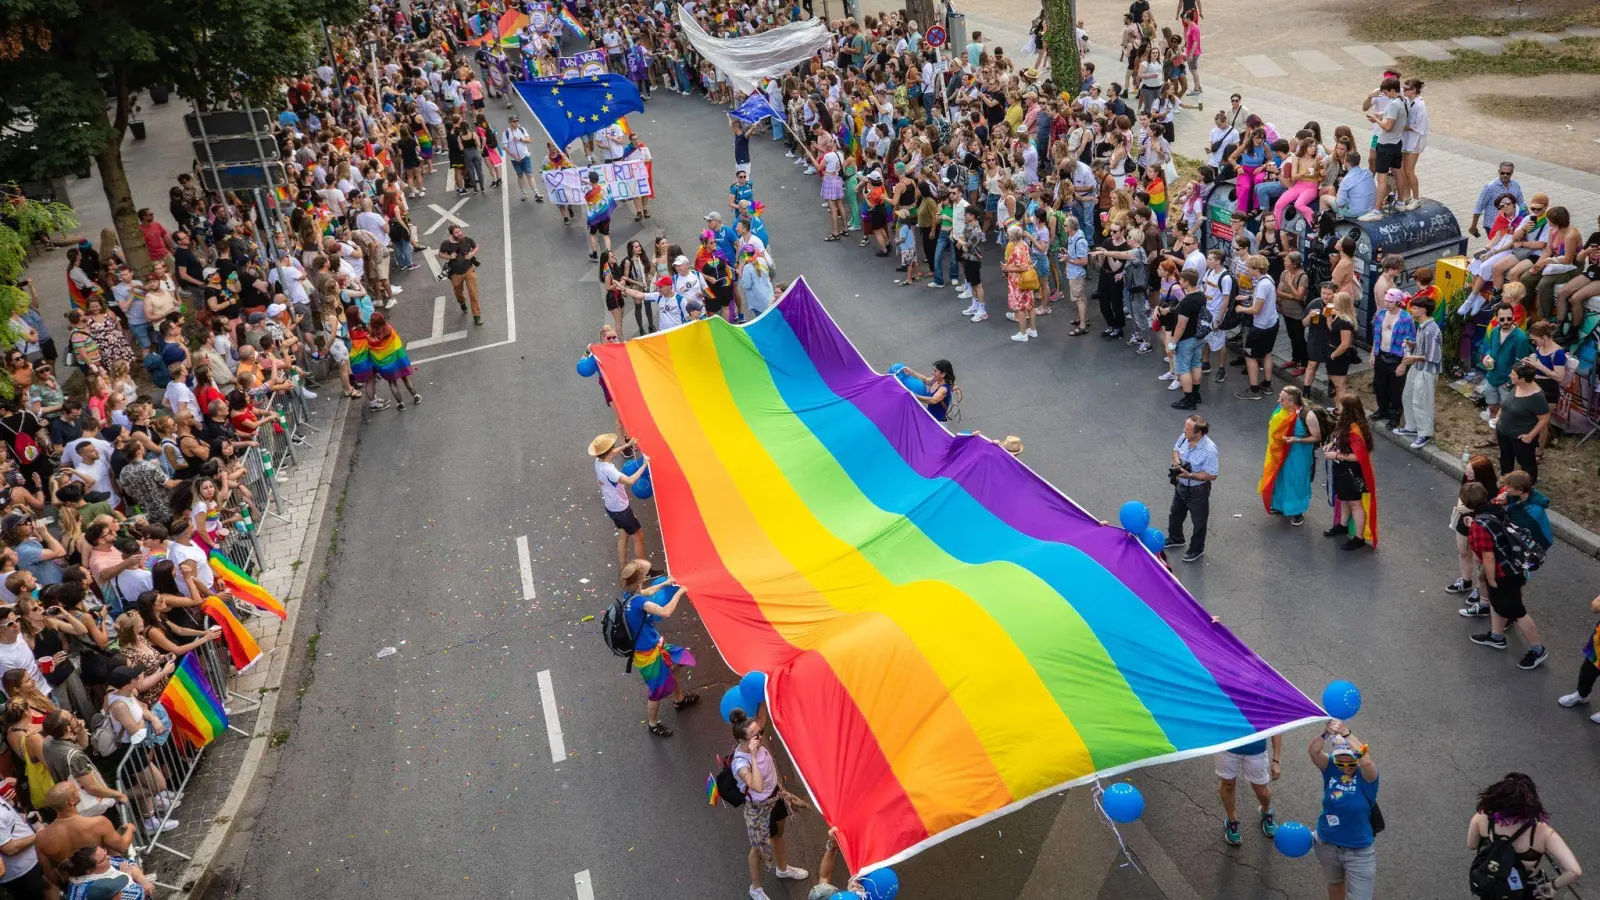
1174 473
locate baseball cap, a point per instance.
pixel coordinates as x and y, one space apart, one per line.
256 318
713 215
681 260
274 309
122 676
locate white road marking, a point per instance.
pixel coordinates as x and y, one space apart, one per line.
525 564
438 336
447 215
511 308
1315 61
1425 49
552 720
431 257
584 884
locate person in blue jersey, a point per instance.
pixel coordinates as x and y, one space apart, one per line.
1345 832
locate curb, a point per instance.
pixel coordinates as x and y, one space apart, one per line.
196 875
1566 530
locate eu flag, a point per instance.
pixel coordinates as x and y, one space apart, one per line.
570 108
754 109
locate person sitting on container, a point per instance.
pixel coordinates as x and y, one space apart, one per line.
1358 192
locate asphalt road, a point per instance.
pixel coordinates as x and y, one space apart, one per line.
430 770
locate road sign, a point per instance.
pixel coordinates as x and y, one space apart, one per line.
935 36
226 123
239 149
242 177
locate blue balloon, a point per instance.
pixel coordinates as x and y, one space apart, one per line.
665 595
913 384
630 466
754 687
1292 839
643 489
733 699
1122 802
1341 699
1134 516
895 369
880 884
1154 539
588 366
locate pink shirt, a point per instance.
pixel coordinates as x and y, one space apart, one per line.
474 89
1191 40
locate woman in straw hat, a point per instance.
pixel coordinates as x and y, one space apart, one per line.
656 660
614 491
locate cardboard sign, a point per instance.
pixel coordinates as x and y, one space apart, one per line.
628 179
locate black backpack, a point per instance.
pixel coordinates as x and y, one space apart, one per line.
730 790
1496 873
1513 544
616 632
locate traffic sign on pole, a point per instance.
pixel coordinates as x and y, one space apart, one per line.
935 36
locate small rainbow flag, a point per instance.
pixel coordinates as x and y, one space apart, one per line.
282 193
571 21
711 791
243 586
197 715
242 647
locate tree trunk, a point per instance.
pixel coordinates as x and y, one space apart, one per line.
921 12
1061 39
114 181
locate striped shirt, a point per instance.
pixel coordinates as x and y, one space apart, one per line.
1200 457
1492 192
1430 346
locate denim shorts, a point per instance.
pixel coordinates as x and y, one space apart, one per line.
1187 356
1496 395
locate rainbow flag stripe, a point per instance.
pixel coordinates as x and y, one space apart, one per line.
197 715
571 21
242 586
389 356
242 646
946 636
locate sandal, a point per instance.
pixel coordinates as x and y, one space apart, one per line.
1078 332
832 237
865 241
687 701
659 730
352 394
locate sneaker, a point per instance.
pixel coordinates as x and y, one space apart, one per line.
397 291
758 894
1174 385
932 284
1010 316
788 153
1020 338
1297 521
1269 823
1533 659
1176 541
1230 833
1188 402
477 320
1404 431
1335 530
165 801
1193 555
1143 348
1222 374
1489 639
153 824
1459 586
1595 718
1355 543
793 873
1374 216
1572 699
308 393
1166 376
1204 368
963 294
389 303
1133 339
971 310
1421 441
1474 597
811 170
1033 332
1250 393
1474 610
981 316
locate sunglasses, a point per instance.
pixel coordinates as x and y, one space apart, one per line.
1506 321
1346 765
1535 209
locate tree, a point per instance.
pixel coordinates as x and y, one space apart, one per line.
921 12
22 221
70 70
1061 39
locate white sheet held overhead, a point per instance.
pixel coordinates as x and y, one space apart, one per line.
747 60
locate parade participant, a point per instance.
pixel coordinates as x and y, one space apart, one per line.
606 449
390 359
656 660
767 805
1345 830
515 143
1588 670
1292 438
1352 481
1510 810
941 387
1260 766
1488 538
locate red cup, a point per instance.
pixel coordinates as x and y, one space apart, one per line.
47 664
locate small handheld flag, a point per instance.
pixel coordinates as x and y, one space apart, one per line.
197 715
242 647
754 110
243 586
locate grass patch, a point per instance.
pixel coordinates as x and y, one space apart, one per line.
1442 21
279 738
1573 56
1188 167
1537 109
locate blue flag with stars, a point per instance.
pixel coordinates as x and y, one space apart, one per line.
570 108
755 109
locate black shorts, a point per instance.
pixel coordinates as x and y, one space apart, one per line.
1348 482
1339 365
1385 159
1258 342
780 811
1505 598
971 269
478 103
626 521
614 300
603 228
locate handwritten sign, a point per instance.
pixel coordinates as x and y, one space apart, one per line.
625 180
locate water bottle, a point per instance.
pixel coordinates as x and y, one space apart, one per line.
1466 456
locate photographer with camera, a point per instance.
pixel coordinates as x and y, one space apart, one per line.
460 255
1194 467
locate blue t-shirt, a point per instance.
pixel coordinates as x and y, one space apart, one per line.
1346 819
46 571
1254 748
743 192
643 624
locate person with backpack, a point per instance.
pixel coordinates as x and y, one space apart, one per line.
1350 820
1510 835
655 659
1527 507
1190 329
1508 553
767 805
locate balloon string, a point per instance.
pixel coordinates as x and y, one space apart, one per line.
1130 859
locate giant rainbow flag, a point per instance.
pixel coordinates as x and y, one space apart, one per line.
946 636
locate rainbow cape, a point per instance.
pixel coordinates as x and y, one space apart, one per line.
242 586
197 715
1280 426
946 637
598 204
242 646
510 25
361 365
1157 189
389 356
1369 500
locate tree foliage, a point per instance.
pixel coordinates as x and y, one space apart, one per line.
70 69
22 221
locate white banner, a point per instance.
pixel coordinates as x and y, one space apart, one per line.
747 60
625 180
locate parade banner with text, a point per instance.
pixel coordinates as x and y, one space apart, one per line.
587 62
625 180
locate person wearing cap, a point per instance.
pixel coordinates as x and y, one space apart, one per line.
726 238
1392 330
134 723
1344 831
514 142
605 449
